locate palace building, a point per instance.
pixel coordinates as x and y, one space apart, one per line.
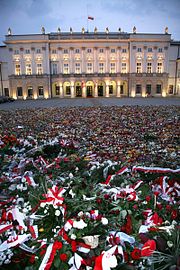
89 64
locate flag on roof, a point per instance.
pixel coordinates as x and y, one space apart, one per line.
90 18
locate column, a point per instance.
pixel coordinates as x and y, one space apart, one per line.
71 60
83 85
107 69
61 90
83 60
107 89
95 61
143 90
72 90
95 89
118 89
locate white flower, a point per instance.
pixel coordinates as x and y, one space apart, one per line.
73 236
123 214
104 221
45 211
42 204
80 214
79 224
170 243
55 206
57 213
71 175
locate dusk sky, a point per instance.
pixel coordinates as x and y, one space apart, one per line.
149 16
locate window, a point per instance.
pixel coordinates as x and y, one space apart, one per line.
149 49
160 50
124 50
65 51
68 90
123 68
159 67
148 89
27 51
77 68
16 51
149 67
19 91
138 88
121 89
30 92
53 51
139 50
171 89
6 92
89 50
77 51
54 68
17 69
38 51
138 68
57 90
110 89
28 69
101 50
101 67
39 68
41 90
158 89
66 68
89 68
113 50
112 68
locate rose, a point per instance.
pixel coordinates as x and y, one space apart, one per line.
63 257
136 254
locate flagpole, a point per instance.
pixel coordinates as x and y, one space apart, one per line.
87 18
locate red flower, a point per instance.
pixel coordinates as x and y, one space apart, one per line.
148 248
136 254
174 214
32 259
57 245
98 200
73 246
148 198
63 257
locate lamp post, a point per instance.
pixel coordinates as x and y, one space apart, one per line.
1 78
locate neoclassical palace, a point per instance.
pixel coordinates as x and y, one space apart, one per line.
89 64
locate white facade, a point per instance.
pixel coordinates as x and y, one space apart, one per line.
90 65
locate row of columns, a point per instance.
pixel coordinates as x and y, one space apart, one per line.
73 95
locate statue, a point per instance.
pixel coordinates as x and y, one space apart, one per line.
83 30
43 30
166 30
59 30
134 30
107 30
95 30
9 31
71 30
119 30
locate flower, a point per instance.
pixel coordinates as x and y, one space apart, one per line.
148 248
104 221
79 224
63 257
136 254
57 213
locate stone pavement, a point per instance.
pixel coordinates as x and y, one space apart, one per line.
88 102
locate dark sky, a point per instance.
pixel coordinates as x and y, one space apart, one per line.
149 16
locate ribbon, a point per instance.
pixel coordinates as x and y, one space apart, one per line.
29 179
76 261
154 169
120 172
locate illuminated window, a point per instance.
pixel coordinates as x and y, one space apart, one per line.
138 88
123 68
149 67
66 68
29 92
158 88
101 67
89 68
19 91
77 68
17 69
54 68
159 67
112 68
39 68
40 90
28 69
138 68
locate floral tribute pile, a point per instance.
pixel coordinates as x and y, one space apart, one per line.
63 210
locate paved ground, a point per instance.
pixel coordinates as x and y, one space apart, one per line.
88 102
